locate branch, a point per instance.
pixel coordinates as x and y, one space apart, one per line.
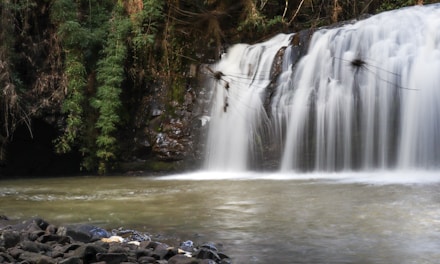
285 9
296 13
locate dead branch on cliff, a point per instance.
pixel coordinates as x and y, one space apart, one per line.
358 64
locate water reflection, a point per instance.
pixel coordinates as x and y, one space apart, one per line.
316 220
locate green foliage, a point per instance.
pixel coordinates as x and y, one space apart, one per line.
63 11
259 21
394 4
136 44
95 37
110 75
72 105
145 24
72 35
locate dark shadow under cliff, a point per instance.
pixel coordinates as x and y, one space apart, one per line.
31 154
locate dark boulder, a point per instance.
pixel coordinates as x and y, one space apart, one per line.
182 259
187 246
54 238
163 251
146 260
26 243
71 260
9 239
112 258
205 253
30 246
15 252
88 252
31 257
83 233
6 258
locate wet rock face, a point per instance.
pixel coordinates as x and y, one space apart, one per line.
168 131
36 241
172 144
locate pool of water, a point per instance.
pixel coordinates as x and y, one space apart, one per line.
374 217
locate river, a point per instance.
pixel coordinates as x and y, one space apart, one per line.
369 217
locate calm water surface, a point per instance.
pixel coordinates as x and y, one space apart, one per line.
258 218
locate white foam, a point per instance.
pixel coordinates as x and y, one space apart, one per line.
370 177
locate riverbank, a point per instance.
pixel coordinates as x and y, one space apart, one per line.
37 241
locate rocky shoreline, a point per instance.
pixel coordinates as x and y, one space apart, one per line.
36 241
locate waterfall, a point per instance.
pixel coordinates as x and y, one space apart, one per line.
364 96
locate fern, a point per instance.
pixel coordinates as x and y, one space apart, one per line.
110 75
72 35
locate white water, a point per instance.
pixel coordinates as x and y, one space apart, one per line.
238 110
377 177
330 113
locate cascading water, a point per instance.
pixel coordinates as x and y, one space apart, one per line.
365 96
239 80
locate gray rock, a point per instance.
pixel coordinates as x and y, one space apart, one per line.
71 260
182 259
32 257
15 252
55 238
88 252
6 258
83 233
146 260
112 258
205 253
10 239
162 252
30 246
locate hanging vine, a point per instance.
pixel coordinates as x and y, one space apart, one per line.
110 75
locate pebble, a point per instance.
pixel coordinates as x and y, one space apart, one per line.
36 241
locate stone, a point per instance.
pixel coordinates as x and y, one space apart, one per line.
35 235
42 224
111 258
56 238
49 248
149 244
112 239
88 252
98 233
187 245
181 259
71 260
117 248
223 256
4 217
15 252
146 260
205 253
30 246
51 229
207 261
10 238
83 233
143 252
6 258
210 246
161 252
38 258
28 226
74 233
70 247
